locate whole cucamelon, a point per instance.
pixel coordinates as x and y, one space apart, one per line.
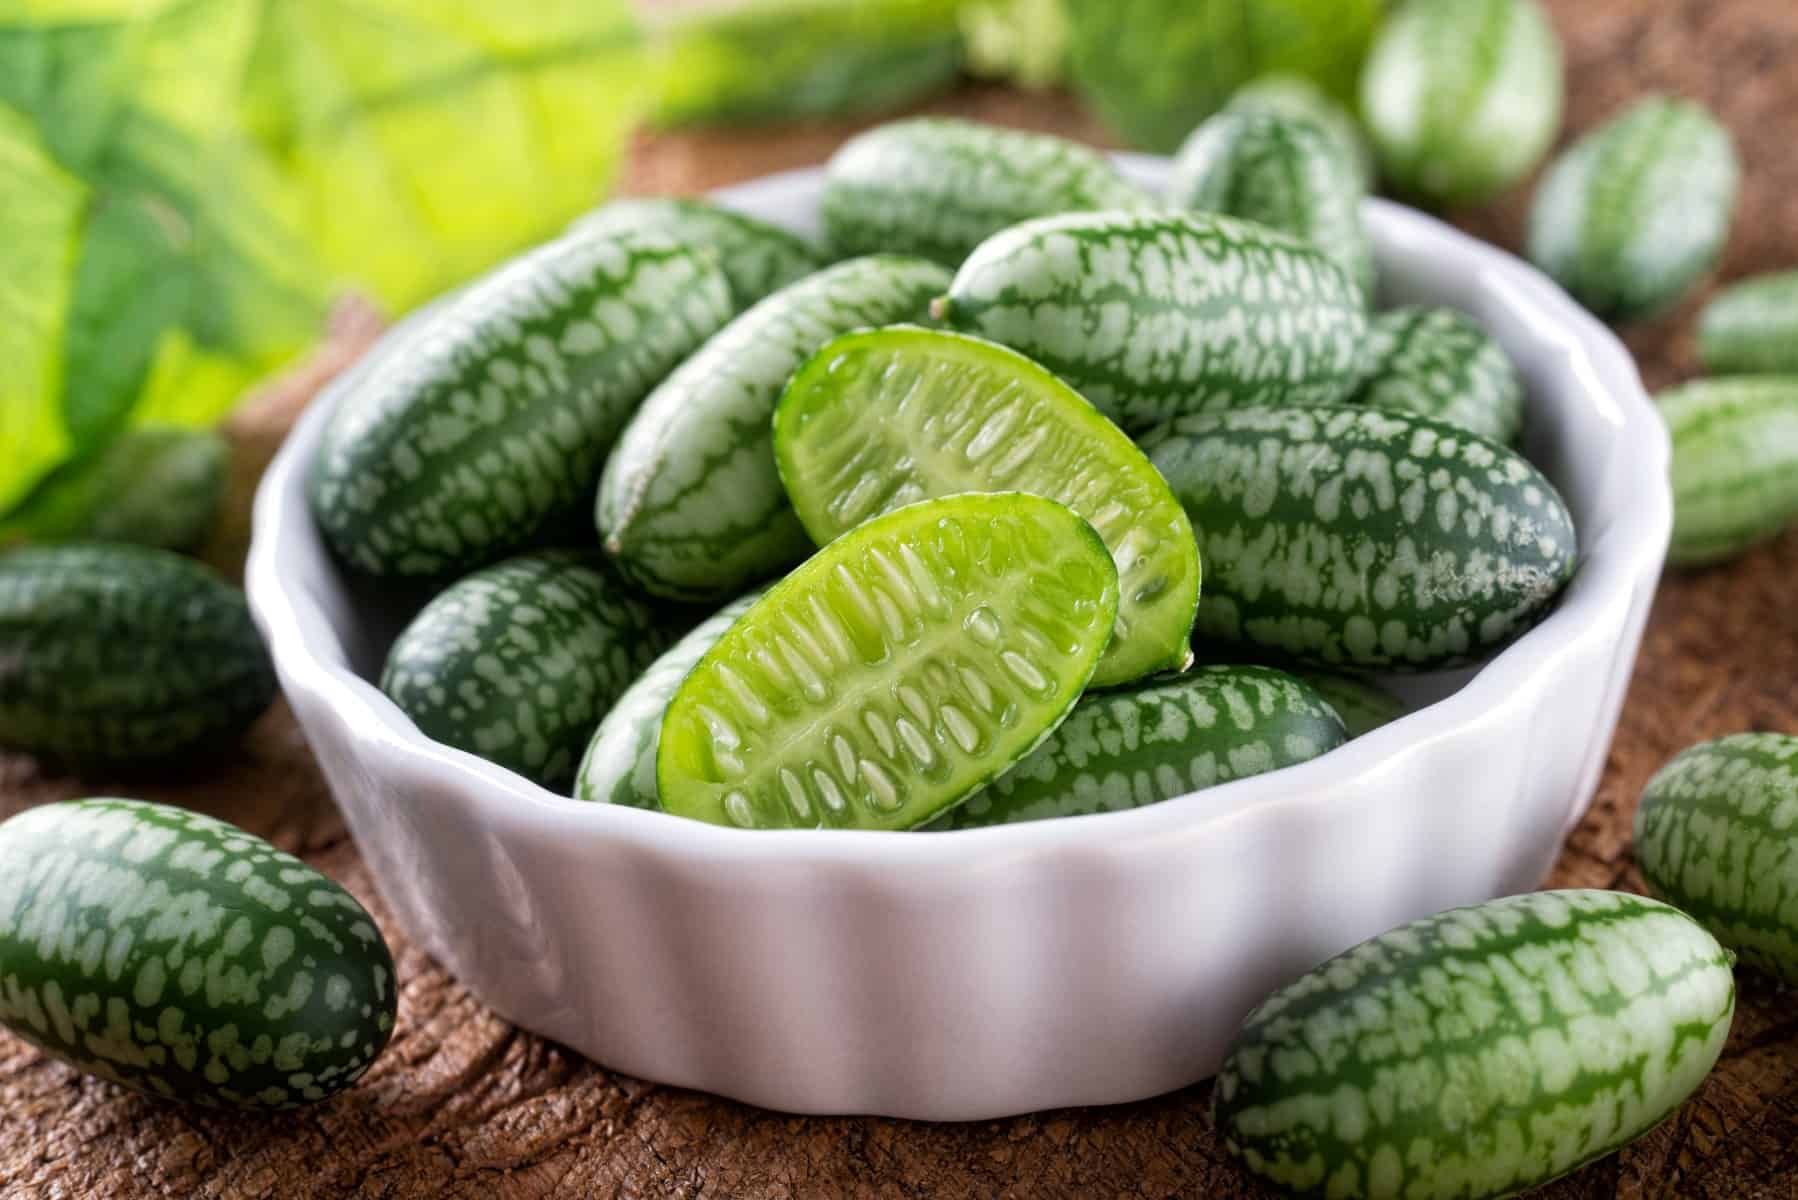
756 257
1715 835
690 505
1151 315
151 486
1282 172
1364 539
1439 363
1363 705
519 661
1480 1052
1630 216
1138 746
937 187
1294 96
1462 97
184 958
495 415
1751 327
620 764
1735 464
116 653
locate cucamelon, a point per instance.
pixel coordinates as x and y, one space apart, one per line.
756 257
1751 327
151 486
1288 95
1439 363
1735 464
1363 705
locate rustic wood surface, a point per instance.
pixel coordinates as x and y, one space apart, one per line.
463 1104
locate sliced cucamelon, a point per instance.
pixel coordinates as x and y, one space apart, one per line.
756 257
883 418
152 486
116 653
1715 836
897 670
1735 464
1360 538
937 187
1130 748
496 413
1439 363
1151 315
1631 215
1480 1052
518 662
184 958
1751 327
690 505
1289 95
1364 706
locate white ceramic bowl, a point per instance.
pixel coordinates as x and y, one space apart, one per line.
977 974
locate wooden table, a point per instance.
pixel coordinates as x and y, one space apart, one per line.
464 1105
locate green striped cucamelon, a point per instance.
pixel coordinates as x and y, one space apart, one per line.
184 958
894 672
1282 172
620 764
518 662
1752 327
1439 363
756 257
1477 1053
1289 95
1355 537
1631 215
937 187
1462 97
1151 315
114 653
152 486
1735 464
1717 835
1129 748
1364 706
690 505
496 414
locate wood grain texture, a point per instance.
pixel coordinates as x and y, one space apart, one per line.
464 1105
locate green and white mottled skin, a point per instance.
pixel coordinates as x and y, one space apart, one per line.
518 662
1629 217
1735 464
496 414
937 187
1439 363
1295 96
152 486
1751 327
879 419
1364 706
1282 172
690 505
1364 539
756 257
899 669
1127 749
1151 315
1462 97
186 959
620 764
1717 835
115 653
1477 1053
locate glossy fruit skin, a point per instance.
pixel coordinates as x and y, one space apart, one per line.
1462 97
490 417
1363 705
1152 315
1480 1052
690 506
116 653
1440 363
896 671
1735 464
1282 172
1321 529
1751 327
1635 212
620 764
851 443
519 661
755 256
151 486
1288 95
1166 738
186 959
937 187
1715 835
